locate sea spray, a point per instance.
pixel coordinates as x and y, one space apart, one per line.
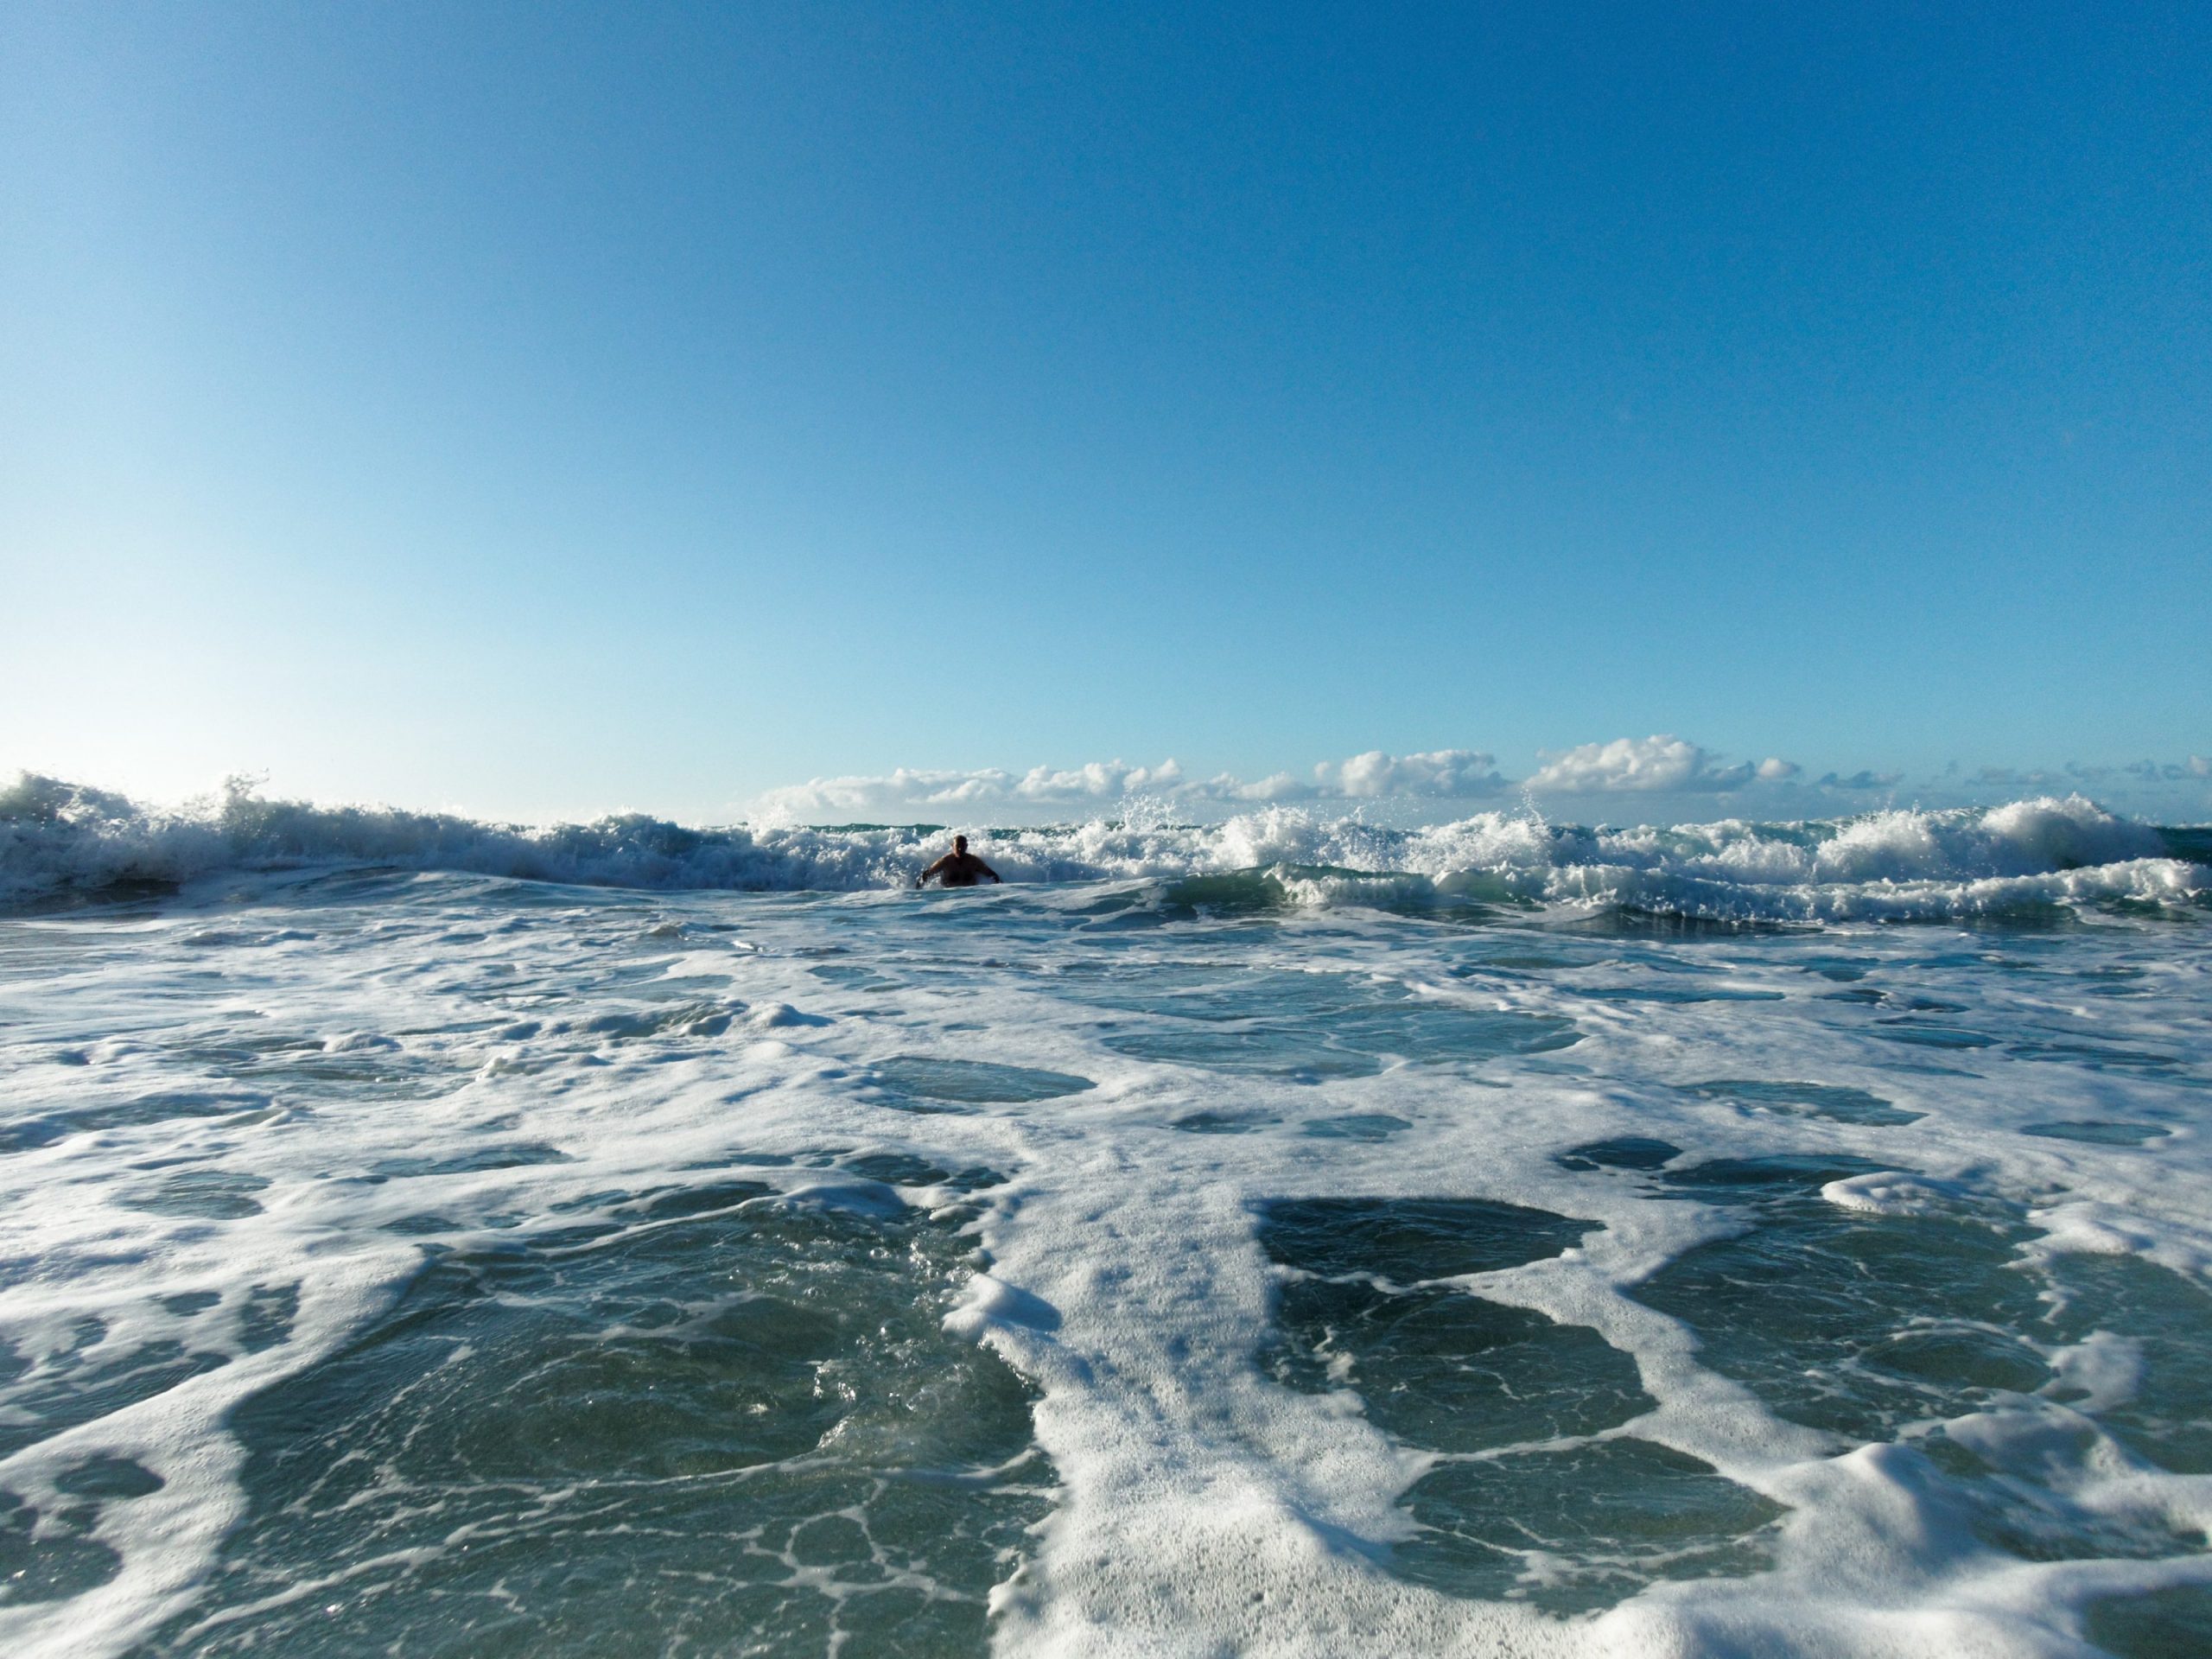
1252 1249
58 839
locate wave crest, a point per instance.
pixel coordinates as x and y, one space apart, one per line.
59 837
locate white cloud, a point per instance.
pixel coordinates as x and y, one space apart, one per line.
1449 773
1439 774
1226 786
1100 781
1646 765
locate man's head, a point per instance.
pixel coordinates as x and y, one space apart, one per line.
960 843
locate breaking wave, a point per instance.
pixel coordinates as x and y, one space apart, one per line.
59 838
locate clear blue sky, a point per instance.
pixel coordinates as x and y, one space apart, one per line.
542 409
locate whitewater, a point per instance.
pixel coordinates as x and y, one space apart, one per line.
1287 1236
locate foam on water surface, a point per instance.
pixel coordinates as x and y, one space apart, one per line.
2030 861
452 1264
716 1422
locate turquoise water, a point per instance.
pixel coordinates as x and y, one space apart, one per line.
449 1263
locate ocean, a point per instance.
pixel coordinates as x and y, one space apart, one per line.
1285 1236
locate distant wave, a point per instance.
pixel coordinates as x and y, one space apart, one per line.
58 837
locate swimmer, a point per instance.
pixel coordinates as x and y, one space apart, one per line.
957 868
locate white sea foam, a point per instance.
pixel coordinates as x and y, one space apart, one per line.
1890 865
342 1058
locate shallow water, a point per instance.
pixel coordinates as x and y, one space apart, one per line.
449 1263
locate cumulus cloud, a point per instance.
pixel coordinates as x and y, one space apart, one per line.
1659 764
1647 766
990 786
1454 774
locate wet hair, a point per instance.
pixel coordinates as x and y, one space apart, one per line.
960 843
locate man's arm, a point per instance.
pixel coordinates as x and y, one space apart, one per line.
937 869
989 871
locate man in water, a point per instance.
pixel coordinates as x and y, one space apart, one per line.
957 868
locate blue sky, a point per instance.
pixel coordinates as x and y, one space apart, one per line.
542 409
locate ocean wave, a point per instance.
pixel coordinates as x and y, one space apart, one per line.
59 838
